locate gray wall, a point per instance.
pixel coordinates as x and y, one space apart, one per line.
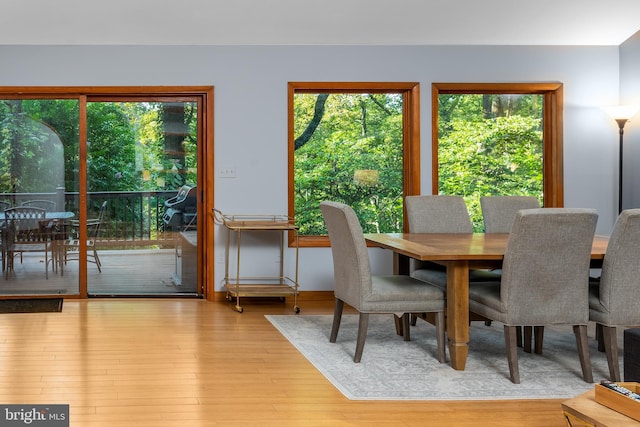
630 94
251 108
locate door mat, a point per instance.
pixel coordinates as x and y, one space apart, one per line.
31 305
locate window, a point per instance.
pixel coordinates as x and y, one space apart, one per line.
356 143
497 139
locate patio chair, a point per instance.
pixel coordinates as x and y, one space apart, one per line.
47 205
72 244
26 230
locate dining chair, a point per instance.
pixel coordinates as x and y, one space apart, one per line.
71 245
373 294
47 205
498 212
614 299
439 214
26 230
544 281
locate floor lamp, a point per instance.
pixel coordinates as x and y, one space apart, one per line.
621 114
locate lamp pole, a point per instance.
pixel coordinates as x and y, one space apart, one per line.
621 123
621 114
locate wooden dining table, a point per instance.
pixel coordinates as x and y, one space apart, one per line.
459 253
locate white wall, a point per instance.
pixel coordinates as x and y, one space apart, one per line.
251 107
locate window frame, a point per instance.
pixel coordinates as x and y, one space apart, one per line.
411 137
552 157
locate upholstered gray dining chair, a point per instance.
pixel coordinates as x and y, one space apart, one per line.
498 212
368 294
545 279
614 300
439 214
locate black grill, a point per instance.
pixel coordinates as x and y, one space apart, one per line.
180 211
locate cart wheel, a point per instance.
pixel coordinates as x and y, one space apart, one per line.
229 298
296 309
240 309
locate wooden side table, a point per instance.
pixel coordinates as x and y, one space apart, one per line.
583 410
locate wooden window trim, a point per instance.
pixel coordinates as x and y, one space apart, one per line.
553 180
411 136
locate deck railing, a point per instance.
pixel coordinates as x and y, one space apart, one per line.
131 218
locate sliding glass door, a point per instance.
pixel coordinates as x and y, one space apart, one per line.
100 190
142 171
39 142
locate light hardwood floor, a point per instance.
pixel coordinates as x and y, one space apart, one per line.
189 362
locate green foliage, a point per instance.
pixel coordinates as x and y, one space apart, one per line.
125 146
482 154
354 157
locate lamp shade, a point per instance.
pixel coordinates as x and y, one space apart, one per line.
621 112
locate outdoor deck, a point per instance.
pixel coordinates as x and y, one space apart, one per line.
124 272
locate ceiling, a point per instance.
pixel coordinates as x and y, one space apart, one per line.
319 22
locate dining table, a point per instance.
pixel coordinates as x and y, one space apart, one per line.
458 253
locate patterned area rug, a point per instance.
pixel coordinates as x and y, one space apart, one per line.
392 369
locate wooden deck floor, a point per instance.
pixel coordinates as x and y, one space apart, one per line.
130 272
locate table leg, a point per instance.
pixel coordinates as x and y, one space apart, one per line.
458 312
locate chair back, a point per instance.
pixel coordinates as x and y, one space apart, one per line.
498 212
620 281
26 224
94 225
545 272
47 205
437 214
351 268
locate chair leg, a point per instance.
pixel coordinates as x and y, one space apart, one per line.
599 338
610 342
363 324
398 322
510 339
414 319
406 330
337 317
580 332
527 339
538 337
95 257
440 337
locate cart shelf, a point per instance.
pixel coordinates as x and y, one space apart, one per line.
270 286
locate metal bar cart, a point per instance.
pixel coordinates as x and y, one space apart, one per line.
270 286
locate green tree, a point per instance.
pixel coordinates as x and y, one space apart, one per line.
489 145
353 155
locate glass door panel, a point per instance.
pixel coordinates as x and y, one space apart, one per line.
39 173
142 196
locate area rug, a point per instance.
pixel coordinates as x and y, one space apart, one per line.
31 305
392 369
